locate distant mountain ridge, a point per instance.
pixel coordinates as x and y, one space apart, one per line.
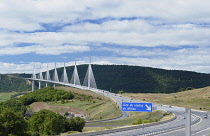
138 79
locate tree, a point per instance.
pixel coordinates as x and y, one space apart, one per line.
121 92
46 122
12 123
76 124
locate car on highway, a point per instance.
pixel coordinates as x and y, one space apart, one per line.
205 116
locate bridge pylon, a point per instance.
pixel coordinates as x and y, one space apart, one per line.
75 76
64 77
55 76
89 80
40 76
47 76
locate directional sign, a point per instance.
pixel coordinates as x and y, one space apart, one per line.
140 107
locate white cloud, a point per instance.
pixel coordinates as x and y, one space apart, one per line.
26 15
125 26
171 23
171 63
7 68
45 50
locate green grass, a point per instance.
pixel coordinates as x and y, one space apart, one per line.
124 122
6 96
133 118
195 99
88 129
97 110
98 107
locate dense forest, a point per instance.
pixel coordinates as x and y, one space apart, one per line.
136 79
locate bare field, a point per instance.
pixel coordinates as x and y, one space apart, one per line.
61 109
194 99
79 91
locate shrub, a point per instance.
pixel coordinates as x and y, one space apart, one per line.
155 119
146 121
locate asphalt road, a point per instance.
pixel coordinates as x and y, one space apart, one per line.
200 126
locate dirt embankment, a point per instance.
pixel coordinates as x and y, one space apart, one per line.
37 106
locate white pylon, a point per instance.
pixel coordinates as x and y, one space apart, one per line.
47 76
89 80
40 77
64 77
75 76
89 70
34 74
40 73
55 75
33 77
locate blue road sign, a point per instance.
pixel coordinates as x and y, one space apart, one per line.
140 107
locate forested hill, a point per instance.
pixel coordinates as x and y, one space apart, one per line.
140 79
131 79
146 80
13 82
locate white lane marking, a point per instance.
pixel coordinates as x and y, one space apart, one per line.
201 131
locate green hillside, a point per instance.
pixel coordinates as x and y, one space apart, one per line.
134 79
13 82
140 79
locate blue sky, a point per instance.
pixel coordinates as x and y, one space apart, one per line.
162 34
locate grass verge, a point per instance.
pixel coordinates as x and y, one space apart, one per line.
195 99
134 116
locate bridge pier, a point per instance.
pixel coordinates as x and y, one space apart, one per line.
32 85
46 84
39 84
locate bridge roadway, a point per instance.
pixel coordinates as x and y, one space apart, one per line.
176 127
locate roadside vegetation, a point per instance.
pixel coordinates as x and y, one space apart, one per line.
145 117
136 118
14 119
195 99
42 123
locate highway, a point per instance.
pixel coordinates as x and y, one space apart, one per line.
199 125
175 127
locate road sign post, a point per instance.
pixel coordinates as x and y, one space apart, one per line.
138 107
188 122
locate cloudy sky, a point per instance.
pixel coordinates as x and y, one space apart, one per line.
169 34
